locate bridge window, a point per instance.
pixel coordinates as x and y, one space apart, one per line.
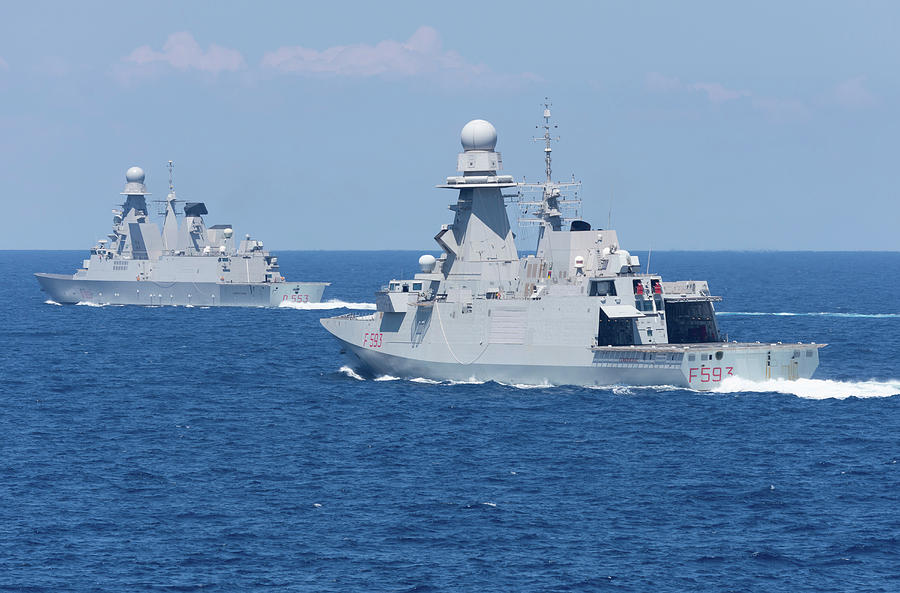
603 288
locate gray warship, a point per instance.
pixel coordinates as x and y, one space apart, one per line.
577 312
188 264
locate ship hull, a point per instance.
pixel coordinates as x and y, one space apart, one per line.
703 367
71 290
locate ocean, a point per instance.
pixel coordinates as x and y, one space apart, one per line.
192 449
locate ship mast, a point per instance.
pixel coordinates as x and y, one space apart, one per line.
549 211
547 138
170 225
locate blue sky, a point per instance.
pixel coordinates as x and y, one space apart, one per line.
714 125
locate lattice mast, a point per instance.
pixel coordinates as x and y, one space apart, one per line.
559 202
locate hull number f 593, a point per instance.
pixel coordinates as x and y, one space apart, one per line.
710 374
372 340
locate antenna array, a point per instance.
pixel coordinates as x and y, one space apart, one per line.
559 202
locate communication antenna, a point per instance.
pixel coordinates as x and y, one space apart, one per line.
609 216
556 202
161 204
547 138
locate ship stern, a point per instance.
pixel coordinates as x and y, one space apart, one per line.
706 367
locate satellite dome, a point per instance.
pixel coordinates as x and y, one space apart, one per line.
134 175
478 134
426 263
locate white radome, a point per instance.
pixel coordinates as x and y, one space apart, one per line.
478 134
426 263
134 175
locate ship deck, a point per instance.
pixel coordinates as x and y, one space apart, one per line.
705 346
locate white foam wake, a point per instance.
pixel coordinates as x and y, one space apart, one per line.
87 304
351 373
527 385
52 302
354 375
425 381
327 305
813 388
814 314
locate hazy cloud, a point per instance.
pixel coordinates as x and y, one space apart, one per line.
660 83
53 66
182 52
715 92
852 93
775 109
781 110
420 55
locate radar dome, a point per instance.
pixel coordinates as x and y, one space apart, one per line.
478 134
228 232
426 263
134 175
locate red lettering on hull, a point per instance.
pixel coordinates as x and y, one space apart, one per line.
709 374
373 340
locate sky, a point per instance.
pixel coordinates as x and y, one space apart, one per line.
691 125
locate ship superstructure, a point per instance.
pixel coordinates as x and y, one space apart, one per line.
184 264
580 311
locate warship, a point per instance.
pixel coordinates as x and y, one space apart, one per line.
188 264
579 311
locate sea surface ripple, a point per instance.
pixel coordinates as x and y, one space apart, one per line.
188 449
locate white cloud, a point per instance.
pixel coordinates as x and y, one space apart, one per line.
182 52
852 93
783 110
660 83
420 55
715 92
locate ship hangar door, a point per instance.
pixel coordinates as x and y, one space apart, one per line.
616 326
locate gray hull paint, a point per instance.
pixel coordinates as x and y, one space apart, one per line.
580 311
461 350
185 264
68 290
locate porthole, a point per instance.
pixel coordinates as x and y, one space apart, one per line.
719 355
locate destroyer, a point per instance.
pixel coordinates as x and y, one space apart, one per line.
190 264
577 312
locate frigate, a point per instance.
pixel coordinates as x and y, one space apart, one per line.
579 311
186 264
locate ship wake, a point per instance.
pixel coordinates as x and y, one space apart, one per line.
813 314
328 305
813 388
349 372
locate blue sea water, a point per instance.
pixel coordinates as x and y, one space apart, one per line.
188 449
